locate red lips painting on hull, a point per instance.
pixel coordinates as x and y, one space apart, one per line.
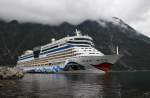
104 66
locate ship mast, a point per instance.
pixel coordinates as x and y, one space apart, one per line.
117 50
78 33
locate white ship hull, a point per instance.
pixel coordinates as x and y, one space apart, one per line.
91 63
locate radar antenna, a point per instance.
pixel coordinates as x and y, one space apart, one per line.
53 40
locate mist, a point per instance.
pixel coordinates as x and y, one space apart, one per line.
134 12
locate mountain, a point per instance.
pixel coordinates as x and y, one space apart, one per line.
17 37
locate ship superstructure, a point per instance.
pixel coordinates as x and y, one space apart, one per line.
69 53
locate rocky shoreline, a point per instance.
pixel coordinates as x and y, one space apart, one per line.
10 73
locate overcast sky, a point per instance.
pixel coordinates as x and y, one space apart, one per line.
134 12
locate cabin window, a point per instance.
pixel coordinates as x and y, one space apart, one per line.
82 39
49 48
79 42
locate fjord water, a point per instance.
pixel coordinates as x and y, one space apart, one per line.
111 85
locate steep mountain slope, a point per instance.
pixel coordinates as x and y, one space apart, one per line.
107 34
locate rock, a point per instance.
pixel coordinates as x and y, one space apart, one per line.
1 85
11 73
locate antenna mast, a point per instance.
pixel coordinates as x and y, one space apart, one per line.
117 50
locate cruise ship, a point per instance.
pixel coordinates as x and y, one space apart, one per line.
71 53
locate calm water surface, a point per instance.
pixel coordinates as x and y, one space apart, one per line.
112 85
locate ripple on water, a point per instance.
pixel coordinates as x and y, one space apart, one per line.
75 86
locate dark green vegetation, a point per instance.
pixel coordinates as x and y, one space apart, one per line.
17 37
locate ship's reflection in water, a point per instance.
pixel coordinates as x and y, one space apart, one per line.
115 85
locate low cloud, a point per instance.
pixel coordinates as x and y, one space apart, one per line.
134 12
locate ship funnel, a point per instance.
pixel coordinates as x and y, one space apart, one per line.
53 40
77 32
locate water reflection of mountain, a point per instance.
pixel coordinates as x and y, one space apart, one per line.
112 85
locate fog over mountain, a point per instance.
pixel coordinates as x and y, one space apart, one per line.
134 12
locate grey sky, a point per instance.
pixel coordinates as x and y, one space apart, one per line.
134 12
